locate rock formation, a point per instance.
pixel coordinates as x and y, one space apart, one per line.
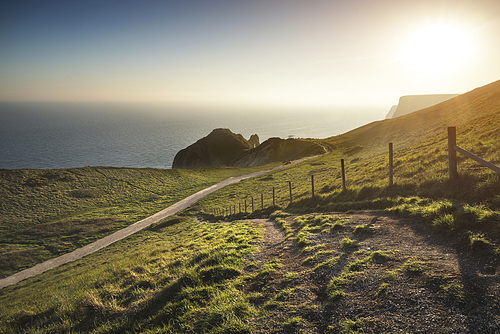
254 141
222 148
217 149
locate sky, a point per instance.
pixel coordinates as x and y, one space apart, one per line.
246 54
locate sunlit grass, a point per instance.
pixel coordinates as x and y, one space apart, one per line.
182 276
46 213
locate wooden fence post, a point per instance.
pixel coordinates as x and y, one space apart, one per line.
342 167
274 203
239 207
262 201
312 185
234 209
290 188
245 206
391 173
452 154
252 204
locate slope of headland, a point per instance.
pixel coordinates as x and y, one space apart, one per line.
425 261
223 148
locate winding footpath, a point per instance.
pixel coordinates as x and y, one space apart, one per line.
129 230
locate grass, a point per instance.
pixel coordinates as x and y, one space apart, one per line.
47 213
179 277
183 276
422 188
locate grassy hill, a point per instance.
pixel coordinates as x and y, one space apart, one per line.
47 213
181 275
420 159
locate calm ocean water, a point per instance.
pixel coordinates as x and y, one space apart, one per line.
63 135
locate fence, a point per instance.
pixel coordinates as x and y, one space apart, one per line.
452 156
452 168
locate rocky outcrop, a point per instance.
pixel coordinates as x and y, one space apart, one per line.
254 141
410 103
217 149
222 148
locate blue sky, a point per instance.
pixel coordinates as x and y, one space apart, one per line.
245 54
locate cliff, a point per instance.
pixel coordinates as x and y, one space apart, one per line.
410 103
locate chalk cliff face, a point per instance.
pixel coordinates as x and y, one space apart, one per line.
391 112
219 148
222 148
410 103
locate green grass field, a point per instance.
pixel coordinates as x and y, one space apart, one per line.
183 276
178 276
46 213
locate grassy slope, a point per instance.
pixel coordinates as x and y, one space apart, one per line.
159 281
420 159
176 276
73 207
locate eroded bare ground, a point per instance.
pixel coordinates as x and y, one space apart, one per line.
400 279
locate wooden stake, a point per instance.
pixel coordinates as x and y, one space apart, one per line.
312 185
391 173
452 154
342 167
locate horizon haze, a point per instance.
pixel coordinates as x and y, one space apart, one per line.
222 55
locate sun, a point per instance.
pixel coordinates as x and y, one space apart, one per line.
437 49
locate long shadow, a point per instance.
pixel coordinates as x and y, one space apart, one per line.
473 304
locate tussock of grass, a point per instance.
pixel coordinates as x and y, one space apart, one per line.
284 226
360 229
347 243
382 290
412 266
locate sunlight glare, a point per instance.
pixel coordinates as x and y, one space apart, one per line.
437 49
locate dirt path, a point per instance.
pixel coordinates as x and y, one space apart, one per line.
445 291
129 230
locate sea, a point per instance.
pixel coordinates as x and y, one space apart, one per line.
74 134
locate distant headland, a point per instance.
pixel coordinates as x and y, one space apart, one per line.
410 103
